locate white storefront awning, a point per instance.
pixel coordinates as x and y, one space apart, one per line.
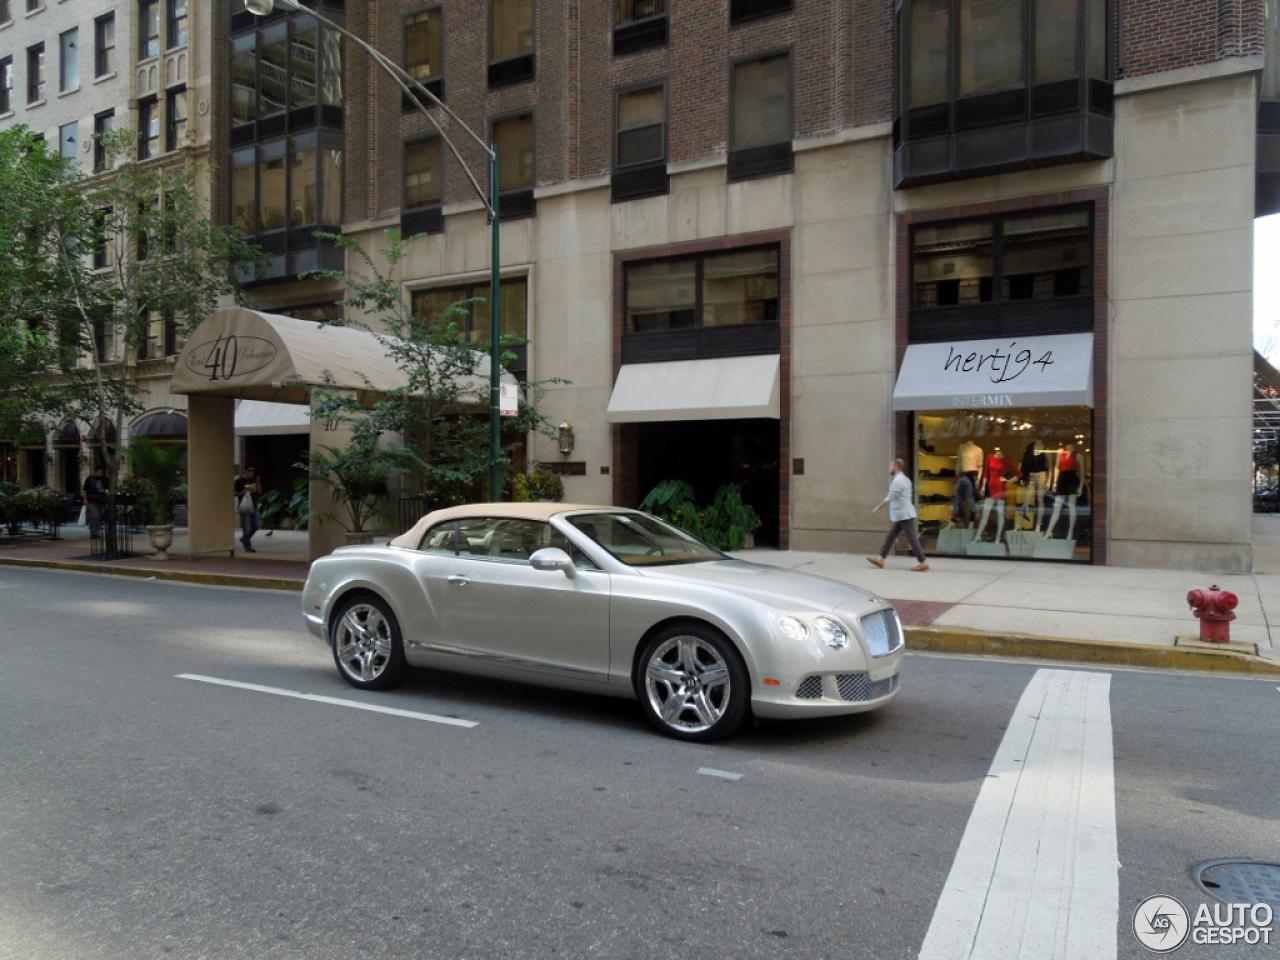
726 388
260 418
1052 371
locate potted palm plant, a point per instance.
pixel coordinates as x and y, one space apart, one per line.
164 467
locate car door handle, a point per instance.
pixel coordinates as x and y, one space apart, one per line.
459 579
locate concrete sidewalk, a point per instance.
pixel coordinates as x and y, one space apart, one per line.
1049 610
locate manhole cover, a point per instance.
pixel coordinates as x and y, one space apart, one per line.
1240 881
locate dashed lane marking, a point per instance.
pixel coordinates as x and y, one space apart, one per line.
332 701
722 774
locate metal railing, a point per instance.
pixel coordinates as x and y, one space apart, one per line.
110 520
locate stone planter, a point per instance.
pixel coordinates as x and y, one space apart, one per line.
356 537
161 537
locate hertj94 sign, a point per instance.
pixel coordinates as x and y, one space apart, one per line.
229 357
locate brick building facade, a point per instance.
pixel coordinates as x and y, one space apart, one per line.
1082 176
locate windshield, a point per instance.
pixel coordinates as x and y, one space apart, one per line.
640 540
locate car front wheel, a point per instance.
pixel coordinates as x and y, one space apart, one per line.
692 684
366 644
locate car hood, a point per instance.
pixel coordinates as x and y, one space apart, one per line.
784 589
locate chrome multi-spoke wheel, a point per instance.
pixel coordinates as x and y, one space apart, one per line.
366 644
693 684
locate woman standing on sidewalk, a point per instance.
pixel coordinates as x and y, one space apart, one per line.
902 512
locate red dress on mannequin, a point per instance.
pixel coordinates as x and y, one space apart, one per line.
994 472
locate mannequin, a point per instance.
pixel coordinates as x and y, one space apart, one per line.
968 466
1070 472
1035 473
997 470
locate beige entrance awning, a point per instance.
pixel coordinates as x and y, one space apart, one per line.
260 356
726 388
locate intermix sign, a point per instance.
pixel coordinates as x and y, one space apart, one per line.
982 374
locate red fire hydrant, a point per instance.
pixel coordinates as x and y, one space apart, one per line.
1213 608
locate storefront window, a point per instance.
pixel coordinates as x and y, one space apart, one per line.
1046 255
1012 483
713 290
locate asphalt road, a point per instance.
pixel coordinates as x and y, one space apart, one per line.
144 815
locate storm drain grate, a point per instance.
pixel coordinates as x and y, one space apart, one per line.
1240 881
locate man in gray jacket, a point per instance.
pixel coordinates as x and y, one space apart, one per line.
902 511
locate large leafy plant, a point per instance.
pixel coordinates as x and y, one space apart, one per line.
164 467
724 523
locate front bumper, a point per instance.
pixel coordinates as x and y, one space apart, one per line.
828 694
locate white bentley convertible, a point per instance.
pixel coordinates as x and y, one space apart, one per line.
605 600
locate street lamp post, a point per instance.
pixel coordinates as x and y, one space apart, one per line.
405 81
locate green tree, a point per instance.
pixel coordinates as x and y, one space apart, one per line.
441 412
37 216
89 264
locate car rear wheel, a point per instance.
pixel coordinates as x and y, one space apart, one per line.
366 644
692 684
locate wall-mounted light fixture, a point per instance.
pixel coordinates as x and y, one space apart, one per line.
565 434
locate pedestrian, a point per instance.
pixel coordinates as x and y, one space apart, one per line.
95 490
902 512
248 490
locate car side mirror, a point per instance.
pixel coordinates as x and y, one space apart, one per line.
553 558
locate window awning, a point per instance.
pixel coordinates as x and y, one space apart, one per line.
1051 371
161 426
726 388
67 437
260 418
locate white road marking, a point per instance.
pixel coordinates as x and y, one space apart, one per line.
1037 871
722 774
332 701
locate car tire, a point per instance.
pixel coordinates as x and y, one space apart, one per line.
366 643
693 684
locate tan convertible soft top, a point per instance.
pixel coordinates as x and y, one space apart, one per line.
523 511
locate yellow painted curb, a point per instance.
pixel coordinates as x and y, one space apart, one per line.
948 640
178 576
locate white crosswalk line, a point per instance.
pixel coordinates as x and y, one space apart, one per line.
1036 874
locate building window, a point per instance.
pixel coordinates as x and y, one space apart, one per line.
473 317
148 28
104 45
6 14
6 84
968 65
287 185
34 5
510 41
514 137
35 73
303 71
101 244
69 60
708 290
148 128
994 276
177 19
760 117
422 45
175 118
423 166
244 72
639 144
69 142
511 28
103 124
640 137
244 191
741 11
273 70
638 24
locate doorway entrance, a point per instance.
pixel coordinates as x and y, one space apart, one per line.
710 453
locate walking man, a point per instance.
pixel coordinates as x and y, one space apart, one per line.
902 512
248 490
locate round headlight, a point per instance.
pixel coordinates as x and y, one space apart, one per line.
794 627
831 632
